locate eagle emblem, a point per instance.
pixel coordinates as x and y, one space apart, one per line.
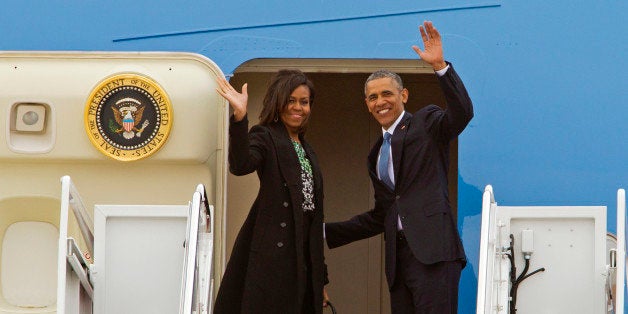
139 121
128 115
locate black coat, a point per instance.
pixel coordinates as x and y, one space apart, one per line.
420 150
267 271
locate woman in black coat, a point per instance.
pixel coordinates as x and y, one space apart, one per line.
277 263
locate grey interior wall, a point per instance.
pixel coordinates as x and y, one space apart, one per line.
342 132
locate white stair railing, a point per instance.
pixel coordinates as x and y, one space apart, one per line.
498 221
74 288
621 251
198 281
487 252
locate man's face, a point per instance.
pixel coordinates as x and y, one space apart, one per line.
385 100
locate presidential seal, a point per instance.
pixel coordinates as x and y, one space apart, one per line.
128 117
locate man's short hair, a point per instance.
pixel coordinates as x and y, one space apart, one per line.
382 74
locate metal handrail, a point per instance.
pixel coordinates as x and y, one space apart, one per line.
488 199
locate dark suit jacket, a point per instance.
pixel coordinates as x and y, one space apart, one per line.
420 150
266 272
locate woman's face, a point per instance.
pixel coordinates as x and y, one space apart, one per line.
297 112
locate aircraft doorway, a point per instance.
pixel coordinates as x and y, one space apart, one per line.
341 131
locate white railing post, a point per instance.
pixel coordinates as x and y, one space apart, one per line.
63 244
198 273
621 251
206 249
487 200
68 299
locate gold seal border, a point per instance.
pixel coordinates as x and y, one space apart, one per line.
135 80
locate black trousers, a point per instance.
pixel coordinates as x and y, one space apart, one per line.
421 288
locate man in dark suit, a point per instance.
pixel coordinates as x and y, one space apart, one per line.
408 169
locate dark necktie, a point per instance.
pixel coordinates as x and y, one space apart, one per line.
384 159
